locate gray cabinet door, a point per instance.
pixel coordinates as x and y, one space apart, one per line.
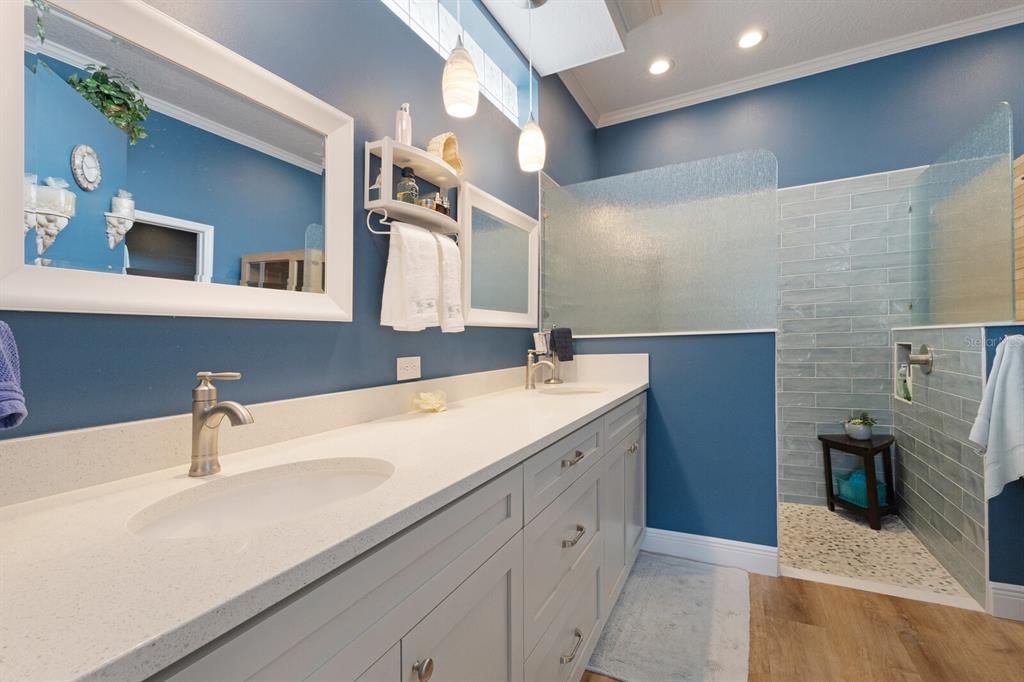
612 503
476 633
636 490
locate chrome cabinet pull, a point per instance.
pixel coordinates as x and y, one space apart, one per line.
580 532
423 669
577 458
571 656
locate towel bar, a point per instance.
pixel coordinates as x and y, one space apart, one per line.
386 222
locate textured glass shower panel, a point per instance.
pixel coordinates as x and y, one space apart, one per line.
961 229
684 248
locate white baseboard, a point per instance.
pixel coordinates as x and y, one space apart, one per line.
1007 600
762 559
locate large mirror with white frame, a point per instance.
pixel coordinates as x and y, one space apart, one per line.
161 173
500 255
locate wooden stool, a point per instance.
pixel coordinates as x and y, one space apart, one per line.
866 450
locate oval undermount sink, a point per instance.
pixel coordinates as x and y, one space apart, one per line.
570 389
259 498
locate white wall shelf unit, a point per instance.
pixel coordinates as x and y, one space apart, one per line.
426 166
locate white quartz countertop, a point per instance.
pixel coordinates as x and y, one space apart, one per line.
85 598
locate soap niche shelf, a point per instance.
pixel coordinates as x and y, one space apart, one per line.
901 359
427 167
906 365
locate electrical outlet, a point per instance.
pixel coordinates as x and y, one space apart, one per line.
409 368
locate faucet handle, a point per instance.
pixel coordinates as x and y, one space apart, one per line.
223 376
205 390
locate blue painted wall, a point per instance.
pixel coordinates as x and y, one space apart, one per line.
61 120
1006 511
710 432
896 112
255 202
364 60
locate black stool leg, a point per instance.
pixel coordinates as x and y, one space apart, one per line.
826 452
874 517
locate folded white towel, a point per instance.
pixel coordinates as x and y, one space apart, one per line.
409 303
999 426
451 285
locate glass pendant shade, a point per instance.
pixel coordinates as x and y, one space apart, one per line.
460 87
532 148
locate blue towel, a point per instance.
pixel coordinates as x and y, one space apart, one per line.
561 343
12 400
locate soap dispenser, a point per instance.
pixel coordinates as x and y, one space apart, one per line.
403 125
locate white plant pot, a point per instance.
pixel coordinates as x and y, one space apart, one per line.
858 431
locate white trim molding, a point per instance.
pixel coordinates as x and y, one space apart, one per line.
1007 600
48 289
883 48
762 559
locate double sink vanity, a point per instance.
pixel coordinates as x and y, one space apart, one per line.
487 542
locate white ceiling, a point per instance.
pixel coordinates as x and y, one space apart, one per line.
566 33
699 36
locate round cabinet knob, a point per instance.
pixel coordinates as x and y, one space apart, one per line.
423 669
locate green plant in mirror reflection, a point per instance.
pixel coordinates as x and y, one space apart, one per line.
116 96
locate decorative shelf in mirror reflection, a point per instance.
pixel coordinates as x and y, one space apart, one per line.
427 167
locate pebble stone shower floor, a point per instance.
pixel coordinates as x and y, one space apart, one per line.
816 539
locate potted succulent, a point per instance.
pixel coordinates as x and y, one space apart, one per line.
859 428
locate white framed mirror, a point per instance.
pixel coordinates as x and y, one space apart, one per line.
234 200
500 261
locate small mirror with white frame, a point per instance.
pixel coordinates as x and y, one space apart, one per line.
237 196
500 260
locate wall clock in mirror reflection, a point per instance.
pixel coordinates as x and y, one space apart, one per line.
85 166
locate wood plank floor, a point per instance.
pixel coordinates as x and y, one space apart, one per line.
807 631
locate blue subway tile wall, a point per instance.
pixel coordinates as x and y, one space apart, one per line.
84 370
710 432
1006 511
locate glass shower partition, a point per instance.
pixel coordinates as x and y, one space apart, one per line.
961 229
689 247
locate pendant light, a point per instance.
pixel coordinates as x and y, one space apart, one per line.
460 87
532 148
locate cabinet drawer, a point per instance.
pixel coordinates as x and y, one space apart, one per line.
555 541
567 643
554 468
623 419
353 615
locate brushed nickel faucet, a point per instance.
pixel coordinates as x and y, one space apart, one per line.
207 415
532 364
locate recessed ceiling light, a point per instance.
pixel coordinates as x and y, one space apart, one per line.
659 66
751 38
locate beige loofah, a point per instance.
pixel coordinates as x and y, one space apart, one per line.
446 146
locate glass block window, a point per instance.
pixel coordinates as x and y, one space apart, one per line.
503 75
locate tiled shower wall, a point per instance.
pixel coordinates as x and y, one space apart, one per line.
844 270
940 476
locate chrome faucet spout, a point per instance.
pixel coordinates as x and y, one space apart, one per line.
237 414
207 415
532 363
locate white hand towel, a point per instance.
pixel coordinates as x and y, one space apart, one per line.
409 303
999 426
451 285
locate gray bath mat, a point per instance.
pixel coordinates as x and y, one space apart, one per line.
677 620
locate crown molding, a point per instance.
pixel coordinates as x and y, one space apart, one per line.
884 48
579 93
80 61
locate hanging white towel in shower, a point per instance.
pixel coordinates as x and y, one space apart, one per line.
999 426
409 303
450 298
